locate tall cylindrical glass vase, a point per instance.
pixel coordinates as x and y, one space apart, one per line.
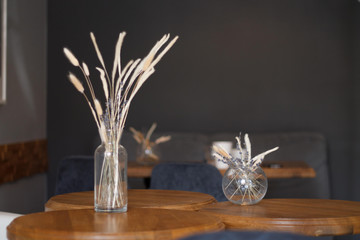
110 188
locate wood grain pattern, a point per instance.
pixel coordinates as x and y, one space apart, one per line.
137 223
146 198
273 169
314 217
22 159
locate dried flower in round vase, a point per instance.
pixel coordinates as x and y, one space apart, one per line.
244 186
147 155
148 152
244 182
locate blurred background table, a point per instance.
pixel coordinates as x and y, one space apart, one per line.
313 217
144 198
137 223
273 169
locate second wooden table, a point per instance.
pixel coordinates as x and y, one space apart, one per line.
314 217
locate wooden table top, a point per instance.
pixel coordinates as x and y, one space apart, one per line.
273 169
137 223
314 217
146 198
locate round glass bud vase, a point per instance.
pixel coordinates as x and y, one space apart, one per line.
147 155
110 190
244 186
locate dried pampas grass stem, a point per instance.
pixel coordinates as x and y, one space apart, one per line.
120 89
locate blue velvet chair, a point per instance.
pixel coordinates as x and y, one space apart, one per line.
75 174
241 235
197 177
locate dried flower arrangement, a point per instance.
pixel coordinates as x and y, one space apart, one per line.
146 153
119 90
244 182
245 160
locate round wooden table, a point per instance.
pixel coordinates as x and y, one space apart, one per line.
136 223
314 217
147 198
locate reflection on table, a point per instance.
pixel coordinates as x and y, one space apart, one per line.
314 217
149 198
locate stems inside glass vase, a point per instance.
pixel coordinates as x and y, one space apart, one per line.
244 186
110 193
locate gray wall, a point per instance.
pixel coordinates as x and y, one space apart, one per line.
251 66
23 117
355 100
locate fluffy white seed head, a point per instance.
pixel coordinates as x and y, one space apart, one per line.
71 57
86 69
76 82
98 107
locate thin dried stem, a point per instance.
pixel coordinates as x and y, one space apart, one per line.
104 84
162 139
119 82
117 58
163 52
98 53
248 146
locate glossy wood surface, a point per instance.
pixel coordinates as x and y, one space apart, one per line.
274 169
137 223
147 198
314 217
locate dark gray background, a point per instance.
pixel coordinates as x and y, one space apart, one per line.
240 65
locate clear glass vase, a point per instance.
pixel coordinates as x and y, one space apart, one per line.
110 189
244 186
